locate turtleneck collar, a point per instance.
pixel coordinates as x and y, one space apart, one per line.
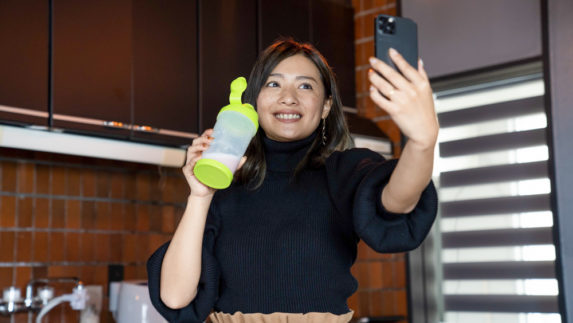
285 156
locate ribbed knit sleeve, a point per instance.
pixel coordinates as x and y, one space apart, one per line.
356 178
208 289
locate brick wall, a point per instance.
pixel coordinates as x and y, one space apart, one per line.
74 216
381 277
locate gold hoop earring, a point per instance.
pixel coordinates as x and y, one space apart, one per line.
324 132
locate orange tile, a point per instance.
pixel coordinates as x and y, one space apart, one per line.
363 275
87 274
89 215
103 184
376 303
356 5
116 252
142 187
73 246
102 251
24 244
358 27
74 182
40 272
9 176
399 274
142 247
7 211
388 303
168 219
59 180
155 218
41 246
58 246
6 275
42 213
364 303
20 318
387 274
88 182
155 241
375 271
129 217
130 188
73 214
88 247
43 178
368 51
22 276
117 186
58 213
25 216
129 247
7 242
402 303
103 214
129 272
155 187
362 250
142 217
116 216
26 178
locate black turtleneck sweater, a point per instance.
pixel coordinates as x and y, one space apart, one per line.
288 246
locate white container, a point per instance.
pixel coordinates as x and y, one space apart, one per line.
129 302
236 125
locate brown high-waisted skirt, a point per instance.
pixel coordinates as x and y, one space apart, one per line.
278 317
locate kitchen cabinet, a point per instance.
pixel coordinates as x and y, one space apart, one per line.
92 66
227 50
284 19
165 96
333 35
24 40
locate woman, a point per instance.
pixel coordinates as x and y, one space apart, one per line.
279 243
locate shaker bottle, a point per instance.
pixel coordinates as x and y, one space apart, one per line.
236 125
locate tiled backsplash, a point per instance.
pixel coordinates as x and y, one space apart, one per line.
382 278
74 216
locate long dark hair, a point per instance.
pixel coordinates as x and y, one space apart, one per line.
338 137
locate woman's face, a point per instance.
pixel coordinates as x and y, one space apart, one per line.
291 102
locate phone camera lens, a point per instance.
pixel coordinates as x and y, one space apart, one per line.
387 25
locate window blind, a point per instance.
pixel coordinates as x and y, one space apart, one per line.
495 215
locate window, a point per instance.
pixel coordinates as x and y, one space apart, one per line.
495 220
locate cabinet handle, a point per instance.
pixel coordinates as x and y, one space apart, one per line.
145 129
114 124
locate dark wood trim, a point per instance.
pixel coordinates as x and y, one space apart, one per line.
558 71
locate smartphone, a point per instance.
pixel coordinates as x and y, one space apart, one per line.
399 33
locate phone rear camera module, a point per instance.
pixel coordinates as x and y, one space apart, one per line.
387 25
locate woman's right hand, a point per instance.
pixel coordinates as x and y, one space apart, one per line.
194 153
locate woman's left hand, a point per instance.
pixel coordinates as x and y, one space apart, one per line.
407 98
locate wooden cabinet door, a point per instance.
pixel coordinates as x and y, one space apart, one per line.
333 35
165 71
92 65
24 41
227 50
284 19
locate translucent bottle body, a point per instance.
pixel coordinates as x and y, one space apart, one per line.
232 134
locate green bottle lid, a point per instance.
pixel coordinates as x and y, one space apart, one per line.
213 173
238 86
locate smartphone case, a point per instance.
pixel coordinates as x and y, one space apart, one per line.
403 38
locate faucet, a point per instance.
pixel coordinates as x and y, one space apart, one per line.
13 304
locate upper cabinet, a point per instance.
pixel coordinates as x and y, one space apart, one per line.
227 50
92 65
284 19
24 43
165 87
333 35
152 70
